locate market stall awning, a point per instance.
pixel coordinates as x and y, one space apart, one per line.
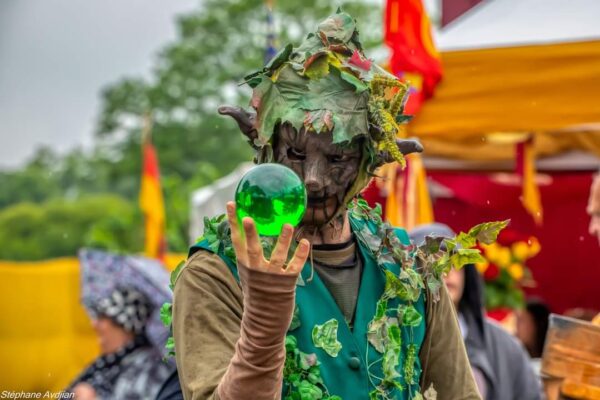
506 72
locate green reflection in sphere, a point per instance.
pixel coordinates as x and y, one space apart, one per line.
273 195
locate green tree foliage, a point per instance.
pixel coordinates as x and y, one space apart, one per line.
59 227
216 46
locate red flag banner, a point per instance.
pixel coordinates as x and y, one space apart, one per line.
151 202
414 56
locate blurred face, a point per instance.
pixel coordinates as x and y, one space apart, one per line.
455 281
526 331
110 335
328 170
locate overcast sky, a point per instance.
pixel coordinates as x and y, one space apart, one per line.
56 55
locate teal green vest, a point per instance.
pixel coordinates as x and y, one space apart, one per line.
346 375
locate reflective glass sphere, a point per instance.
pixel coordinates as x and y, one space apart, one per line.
272 195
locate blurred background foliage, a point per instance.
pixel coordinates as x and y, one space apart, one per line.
56 204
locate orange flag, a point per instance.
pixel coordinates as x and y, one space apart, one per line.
414 57
151 200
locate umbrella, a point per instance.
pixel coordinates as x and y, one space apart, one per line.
103 272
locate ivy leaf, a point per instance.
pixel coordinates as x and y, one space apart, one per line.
466 256
165 314
394 336
376 334
466 241
381 308
441 265
409 316
325 337
430 393
175 274
307 361
291 343
170 345
295 324
432 244
309 391
450 244
434 284
487 233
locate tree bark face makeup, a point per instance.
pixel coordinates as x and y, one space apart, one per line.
327 169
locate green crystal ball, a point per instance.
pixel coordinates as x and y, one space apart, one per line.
273 195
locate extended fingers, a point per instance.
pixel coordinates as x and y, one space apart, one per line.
299 259
280 252
253 245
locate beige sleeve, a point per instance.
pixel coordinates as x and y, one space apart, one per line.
443 355
207 314
594 201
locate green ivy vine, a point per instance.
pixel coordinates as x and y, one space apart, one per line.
419 266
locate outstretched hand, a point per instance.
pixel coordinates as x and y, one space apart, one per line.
249 252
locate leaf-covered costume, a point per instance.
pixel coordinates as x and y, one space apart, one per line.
208 311
404 335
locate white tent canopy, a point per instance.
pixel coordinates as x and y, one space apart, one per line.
210 200
508 23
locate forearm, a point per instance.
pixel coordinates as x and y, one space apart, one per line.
256 368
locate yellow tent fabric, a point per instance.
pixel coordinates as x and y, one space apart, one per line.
46 338
551 91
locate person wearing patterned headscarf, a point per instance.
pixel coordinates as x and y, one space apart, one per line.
129 366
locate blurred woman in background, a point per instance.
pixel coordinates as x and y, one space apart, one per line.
129 366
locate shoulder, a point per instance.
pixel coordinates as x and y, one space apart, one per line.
204 267
502 338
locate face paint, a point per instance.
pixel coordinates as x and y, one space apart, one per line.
328 170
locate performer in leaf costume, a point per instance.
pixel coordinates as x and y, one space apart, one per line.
358 312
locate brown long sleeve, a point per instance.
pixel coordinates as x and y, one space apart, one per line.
225 350
256 369
443 355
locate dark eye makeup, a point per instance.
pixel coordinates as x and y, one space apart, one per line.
295 154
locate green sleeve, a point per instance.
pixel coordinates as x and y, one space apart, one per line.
443 355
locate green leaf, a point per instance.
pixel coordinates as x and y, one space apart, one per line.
466 241
432 245
325 337
309 391
434 284
175 274
409 316
442 265
291 343
295 319
463 257
359 85
450 244
170 345
317 66
487 233
165 314
381 308
376 334
394 336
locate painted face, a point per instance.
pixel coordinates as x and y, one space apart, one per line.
328 170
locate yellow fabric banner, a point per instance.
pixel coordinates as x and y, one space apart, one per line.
46 337
551 91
